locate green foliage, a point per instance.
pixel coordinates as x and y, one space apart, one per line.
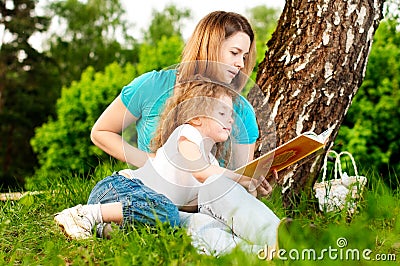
28 89
64 143
92 36
375 227
370 130
163 42
263 20
164 53
167 23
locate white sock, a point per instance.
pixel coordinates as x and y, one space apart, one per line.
93 213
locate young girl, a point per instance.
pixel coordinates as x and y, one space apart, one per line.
196 117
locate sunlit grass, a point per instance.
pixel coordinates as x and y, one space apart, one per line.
30 237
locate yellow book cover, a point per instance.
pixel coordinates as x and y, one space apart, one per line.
285 155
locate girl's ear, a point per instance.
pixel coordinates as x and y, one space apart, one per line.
196 121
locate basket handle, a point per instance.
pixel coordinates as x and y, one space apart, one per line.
337 162
352 161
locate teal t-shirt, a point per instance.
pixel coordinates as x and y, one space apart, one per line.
146 95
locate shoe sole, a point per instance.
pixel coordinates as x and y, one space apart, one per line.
65 229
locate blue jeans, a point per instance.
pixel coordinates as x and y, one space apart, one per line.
139 203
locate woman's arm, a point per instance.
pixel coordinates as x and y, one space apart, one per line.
106 134
242 154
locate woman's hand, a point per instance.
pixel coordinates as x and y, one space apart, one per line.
265 187
250 184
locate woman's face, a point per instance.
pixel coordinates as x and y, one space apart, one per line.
233 53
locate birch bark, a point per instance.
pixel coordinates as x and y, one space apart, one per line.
314 65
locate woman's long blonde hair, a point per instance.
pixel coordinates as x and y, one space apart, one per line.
203 47
191 100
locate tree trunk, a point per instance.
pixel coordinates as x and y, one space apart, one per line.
314 65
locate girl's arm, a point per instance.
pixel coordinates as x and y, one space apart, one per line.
106 134
190 151
247 182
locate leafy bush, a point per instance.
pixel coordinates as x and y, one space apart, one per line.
163 54
64 143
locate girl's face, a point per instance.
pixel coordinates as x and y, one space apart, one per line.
233 53
218 125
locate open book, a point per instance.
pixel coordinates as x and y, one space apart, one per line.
285 155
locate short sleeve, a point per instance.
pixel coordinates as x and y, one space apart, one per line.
193 135
145 98
190 133
133 96
170 150
245 130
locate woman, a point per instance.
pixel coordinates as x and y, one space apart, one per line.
223 37
222 48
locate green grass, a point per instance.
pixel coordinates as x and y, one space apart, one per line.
30 237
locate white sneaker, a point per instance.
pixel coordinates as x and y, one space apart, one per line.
75 223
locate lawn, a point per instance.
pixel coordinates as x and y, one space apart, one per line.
29 235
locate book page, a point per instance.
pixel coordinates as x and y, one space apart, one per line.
323 137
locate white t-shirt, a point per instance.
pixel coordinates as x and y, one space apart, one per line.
169 173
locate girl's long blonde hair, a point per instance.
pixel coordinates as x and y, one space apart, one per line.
192 99
203 47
